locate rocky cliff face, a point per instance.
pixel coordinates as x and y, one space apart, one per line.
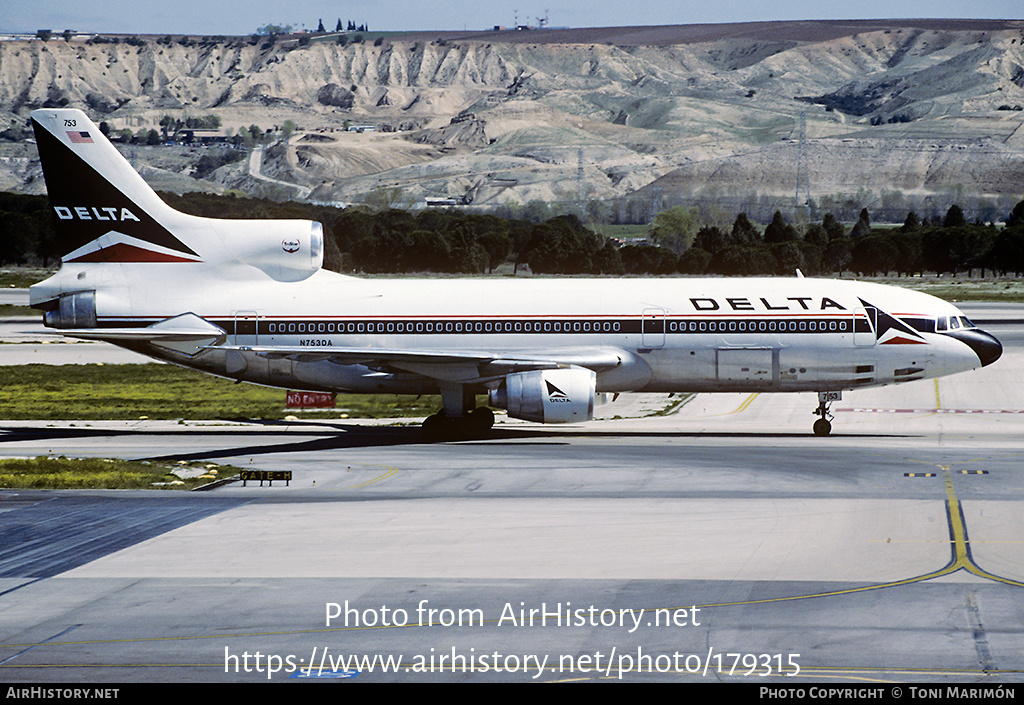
152 76
490 122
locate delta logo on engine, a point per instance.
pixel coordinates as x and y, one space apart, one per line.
556 395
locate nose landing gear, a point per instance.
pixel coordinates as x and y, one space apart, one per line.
823 426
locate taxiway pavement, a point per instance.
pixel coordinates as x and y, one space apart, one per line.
715 543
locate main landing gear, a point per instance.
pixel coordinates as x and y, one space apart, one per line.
441 427
823 426
458 420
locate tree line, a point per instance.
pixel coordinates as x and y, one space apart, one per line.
951 245
392 240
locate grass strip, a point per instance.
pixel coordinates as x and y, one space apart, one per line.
62 473
153 391
955 289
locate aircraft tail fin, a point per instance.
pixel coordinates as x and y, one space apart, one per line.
95 193
106 212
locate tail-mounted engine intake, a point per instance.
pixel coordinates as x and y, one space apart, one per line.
548 396
287 250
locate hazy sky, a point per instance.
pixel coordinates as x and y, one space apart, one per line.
235 17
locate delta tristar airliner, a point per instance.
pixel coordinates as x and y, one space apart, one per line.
249 300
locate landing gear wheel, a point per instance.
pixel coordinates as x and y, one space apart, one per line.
436 427
479 421
475 424
822 427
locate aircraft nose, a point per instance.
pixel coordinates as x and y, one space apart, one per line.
985 345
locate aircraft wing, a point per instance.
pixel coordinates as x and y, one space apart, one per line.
190 334
465 366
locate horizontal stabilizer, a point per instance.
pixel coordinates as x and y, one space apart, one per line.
187 326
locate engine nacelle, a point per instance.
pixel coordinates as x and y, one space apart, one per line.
548 396
76 310
287 250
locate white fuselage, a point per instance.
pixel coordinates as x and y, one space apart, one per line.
670 334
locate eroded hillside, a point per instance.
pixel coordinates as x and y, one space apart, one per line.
919 111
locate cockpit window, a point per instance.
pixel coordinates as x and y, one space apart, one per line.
953 323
